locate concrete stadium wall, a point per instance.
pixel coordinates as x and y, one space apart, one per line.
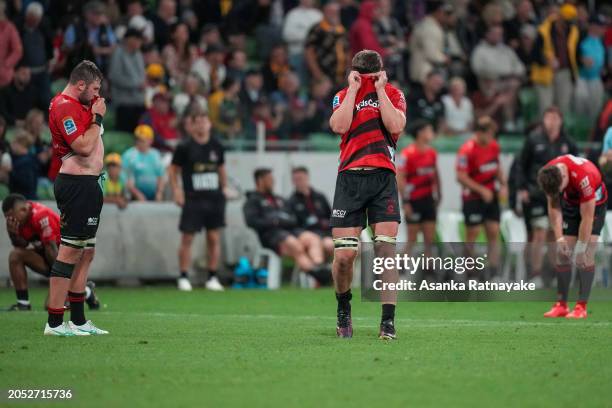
142 241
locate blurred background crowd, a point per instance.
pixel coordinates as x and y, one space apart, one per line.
273 66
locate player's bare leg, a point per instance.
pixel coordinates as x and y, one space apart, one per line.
184 255
385 234
213 252
346 243
493 250
19 258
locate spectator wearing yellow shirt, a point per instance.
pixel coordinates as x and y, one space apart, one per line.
114 183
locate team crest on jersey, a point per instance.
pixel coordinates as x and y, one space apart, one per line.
336 101
69 125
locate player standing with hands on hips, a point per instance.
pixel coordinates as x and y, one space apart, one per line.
75 121
576 220
370 114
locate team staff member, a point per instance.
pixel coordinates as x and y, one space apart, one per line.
483 181
34 230
75 121
539 149
200 161
370 114
419 185
311 209
576 220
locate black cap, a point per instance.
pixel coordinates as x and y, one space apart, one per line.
132 32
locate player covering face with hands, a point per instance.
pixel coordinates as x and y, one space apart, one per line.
577 204
370 114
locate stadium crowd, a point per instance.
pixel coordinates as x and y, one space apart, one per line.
279 62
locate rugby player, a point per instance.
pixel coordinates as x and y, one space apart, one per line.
370 114
576 218
200 161
75 121
419 185
483 181
34 230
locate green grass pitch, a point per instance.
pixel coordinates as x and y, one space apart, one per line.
278 349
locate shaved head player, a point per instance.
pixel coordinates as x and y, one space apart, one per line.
75 121
370 114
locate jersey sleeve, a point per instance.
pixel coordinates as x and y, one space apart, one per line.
66 121
47 228
398 100
587 189
178 159
463 159
338 98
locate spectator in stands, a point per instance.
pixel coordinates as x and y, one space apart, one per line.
497 67
458 109
127 78
237 63
36 37
191 92
311 208
163 21
19 97
163 120
327 47
143 167
318 108
251 92
425 102
262 112
362 35
209 35
10 47
179 55
427 42
134 18
390 35
277 64
114 182
590 90
211 68
23 178
527 38
92 38
224 110
555 64
154 82
513 28
298 22
5 155
34 124
349 11
276 225
288 101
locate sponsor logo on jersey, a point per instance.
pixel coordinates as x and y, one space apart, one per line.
92 221
69 125
338 213
366 103
488 167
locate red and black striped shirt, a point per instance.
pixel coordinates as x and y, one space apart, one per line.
368 143
418 167
481 163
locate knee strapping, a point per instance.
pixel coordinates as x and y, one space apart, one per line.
61 270
384 239
78 243
346 243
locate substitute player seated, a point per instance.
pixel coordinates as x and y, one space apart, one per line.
483 182
576 218
276 225
419 185
34 230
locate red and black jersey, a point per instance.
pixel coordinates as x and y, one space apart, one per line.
43 225
418 167
481 163
585 181
68 119
368 143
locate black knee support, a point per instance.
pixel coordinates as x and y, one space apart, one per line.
61 270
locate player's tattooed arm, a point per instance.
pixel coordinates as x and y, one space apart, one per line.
50 252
